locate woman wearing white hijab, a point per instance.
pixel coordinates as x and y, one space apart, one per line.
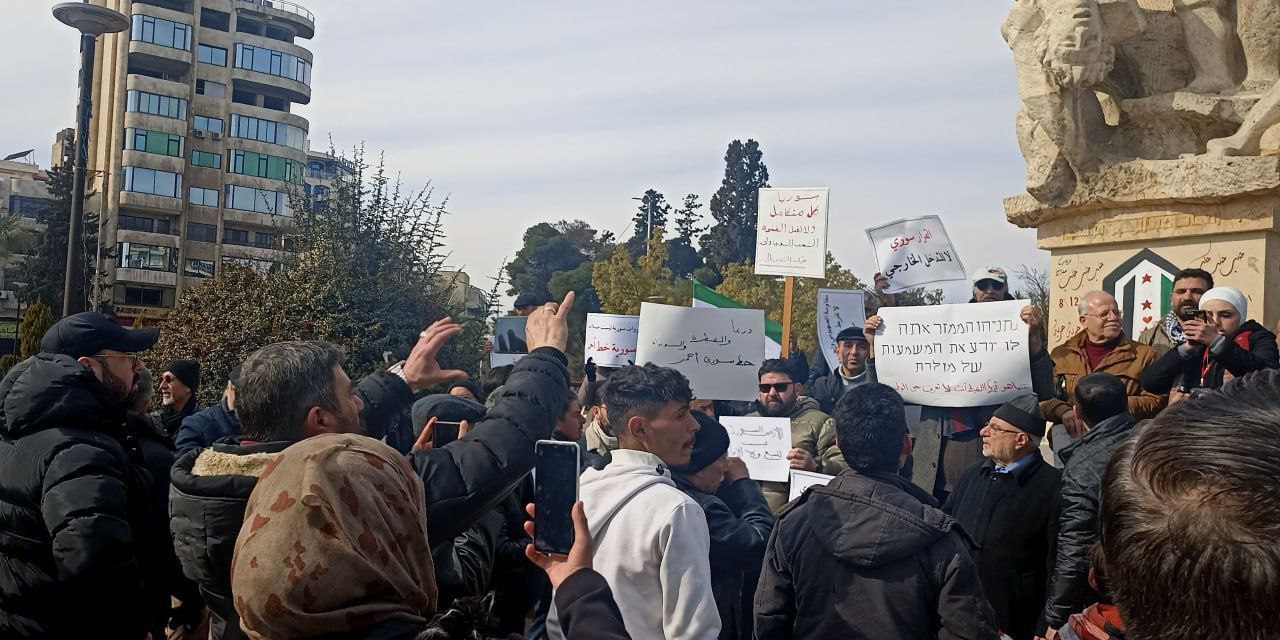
1223 343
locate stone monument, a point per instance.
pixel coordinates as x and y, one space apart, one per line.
1151 130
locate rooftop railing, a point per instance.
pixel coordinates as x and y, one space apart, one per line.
283 5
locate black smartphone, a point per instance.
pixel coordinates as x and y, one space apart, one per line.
445 432
555 490
1193 314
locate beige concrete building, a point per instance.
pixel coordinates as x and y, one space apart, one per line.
195 151
24 191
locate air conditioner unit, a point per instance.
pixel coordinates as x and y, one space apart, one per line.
199 133
217 136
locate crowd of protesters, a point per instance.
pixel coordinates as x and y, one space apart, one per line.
1131 495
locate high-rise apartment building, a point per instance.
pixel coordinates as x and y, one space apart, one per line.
194 149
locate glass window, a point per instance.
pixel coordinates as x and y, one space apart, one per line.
142 296
159 31
198 268
260 165
143 102
160 183
263 267
273 62
211 55
166 144
211 89
235 236
197 232
259 200
210 160
213 19
204 197
269 131
266 240
137 223
27 207
205 123
150 257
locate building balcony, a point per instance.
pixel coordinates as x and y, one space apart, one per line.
146 276
160 58
162 124
136 82
265 83
297 16
150 203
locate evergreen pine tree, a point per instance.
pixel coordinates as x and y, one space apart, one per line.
732 239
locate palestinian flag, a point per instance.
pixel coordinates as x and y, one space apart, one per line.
1143 293
706 297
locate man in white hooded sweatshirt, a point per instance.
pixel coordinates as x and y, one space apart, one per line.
652 545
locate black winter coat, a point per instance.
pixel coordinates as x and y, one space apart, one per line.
739 521
202 429
587 609
828 389
463 480
73 506
870 557
170 419
1012 517
1085 462
1174 369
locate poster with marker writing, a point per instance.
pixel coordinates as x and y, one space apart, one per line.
611 339
915 252
762 443
955 355
801 480
718 350
791 232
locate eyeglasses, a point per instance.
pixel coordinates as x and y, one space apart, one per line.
782 387
995 428
989 285
132 356
1106 314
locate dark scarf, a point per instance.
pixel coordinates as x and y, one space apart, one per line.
171 419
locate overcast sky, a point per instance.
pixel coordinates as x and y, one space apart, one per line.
538 111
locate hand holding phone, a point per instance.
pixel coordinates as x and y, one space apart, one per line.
428 438
559 568
555 490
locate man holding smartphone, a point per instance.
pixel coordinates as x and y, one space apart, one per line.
1184 300
652 542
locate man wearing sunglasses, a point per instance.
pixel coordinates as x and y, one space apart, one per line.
780 398
74 493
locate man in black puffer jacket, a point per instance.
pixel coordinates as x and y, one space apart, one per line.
1103 403
73 488
291 391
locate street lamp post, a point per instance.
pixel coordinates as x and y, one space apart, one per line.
648 223
91 21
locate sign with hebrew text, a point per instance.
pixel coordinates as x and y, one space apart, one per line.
954 355
762 443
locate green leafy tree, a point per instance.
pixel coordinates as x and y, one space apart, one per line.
767 293
546 251
43 271
623 283
732 239
364 275
582 235
650 214
36 321
921 297
14 238
684 257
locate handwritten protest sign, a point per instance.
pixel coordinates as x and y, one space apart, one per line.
791 232
955 355
611 339
801 480
719 350
508 341
762 443
915 252
838 309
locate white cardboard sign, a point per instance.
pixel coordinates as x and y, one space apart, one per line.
611 339
762 443
914 252
801 480
791 232
838 309
955 355
719 350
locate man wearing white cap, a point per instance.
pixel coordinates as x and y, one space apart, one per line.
947 440
1221 344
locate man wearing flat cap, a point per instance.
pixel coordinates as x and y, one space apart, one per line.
73 489
179 384
738 519
1008 505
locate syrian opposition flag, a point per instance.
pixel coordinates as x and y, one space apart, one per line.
706 297
1143 294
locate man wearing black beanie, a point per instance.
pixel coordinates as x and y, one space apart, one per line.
178 386
738 518
1007 504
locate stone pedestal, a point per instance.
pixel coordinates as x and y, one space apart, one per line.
1130 226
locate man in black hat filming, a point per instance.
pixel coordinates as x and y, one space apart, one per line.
1007 505
73 491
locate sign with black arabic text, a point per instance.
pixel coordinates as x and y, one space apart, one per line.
914 252
718 350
